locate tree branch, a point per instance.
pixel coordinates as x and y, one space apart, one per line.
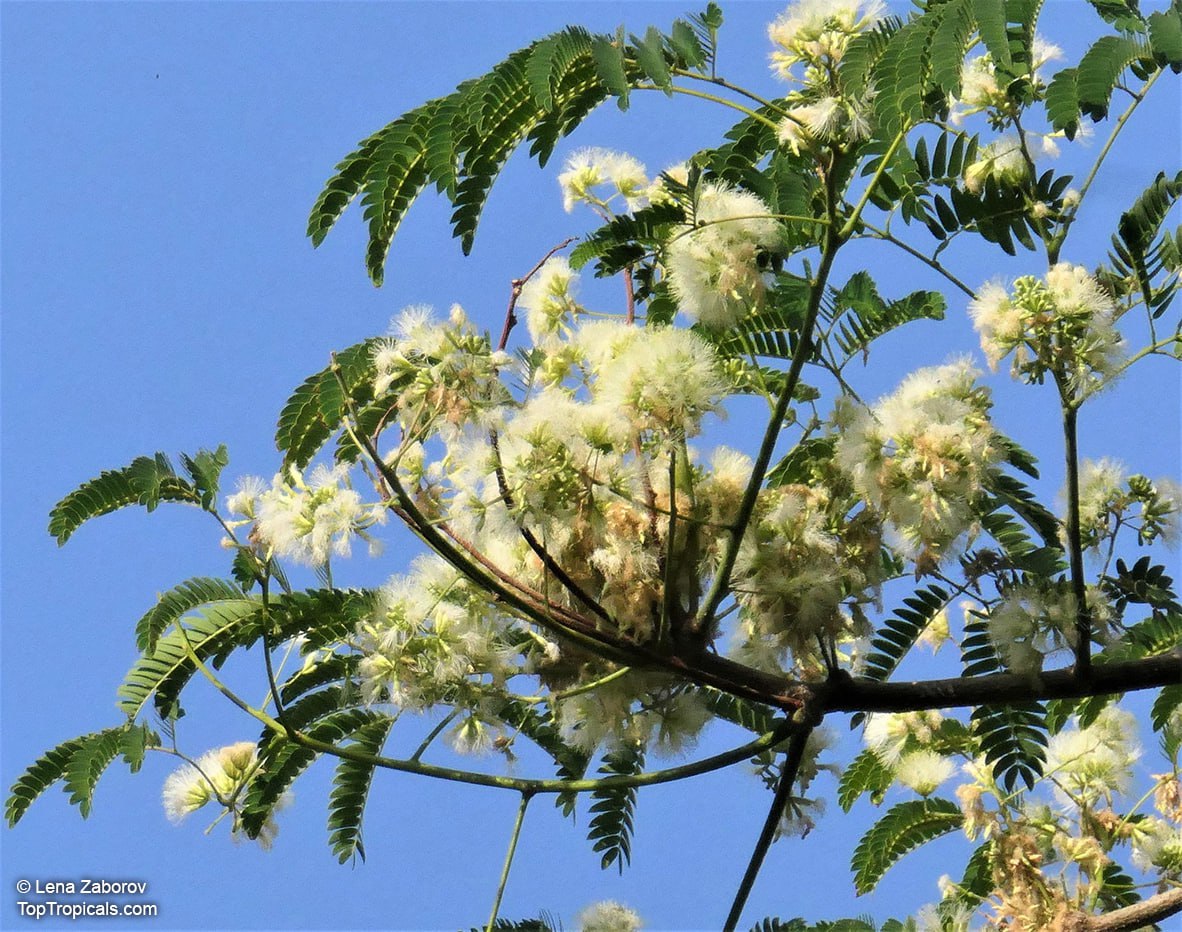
847 694
1138 916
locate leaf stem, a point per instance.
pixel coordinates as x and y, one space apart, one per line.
713 98
783 793
496 907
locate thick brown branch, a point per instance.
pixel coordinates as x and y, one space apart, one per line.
1138 916
847 694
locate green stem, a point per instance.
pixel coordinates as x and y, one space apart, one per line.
775 813
721 582
713 98
1083 626
722 82
496 907
1139 355
933 264
852 223
434 733
523 785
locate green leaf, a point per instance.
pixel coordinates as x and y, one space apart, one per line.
685 43
316 409
351 784
1165 37
283 761
1101 68
609 64
43 773
755 718
614 808
87 764
1062 102
1138 249
183 598
991 24
898 634
902 828
205 469
323 617
650 55
1123 14
148 481
134 743
1013 738
865 774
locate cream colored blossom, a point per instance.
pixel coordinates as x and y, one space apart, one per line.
589 171
923 771
713 266
608 916
818 31
548 298
920 456
309 519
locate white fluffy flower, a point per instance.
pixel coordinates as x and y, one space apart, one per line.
666 379
818 31
608 916
713 265
309 519
923 771
589 169
1064 324
1096 762
1002 160
549 297
920 456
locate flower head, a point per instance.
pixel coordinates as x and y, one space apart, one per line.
817 32
608 916
713 266
589 171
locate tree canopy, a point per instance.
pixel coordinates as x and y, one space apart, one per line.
612 570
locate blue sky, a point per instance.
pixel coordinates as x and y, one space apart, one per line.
159 161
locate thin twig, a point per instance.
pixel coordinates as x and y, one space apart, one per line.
783 793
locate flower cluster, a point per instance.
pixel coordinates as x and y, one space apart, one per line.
921 456
548 299
981 91
800 559
306 519
1110 498
221 776
596 176
1063 325
713 264
438 376
817 32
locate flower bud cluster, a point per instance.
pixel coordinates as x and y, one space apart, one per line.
1063 325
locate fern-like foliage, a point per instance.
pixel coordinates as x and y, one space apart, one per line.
899 632
901 829
78 763
284 760
1138 250
865 774
1013 738
755 718
213 632
148 481
862 316
460 142
613 809
351 784
316 409
179 600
